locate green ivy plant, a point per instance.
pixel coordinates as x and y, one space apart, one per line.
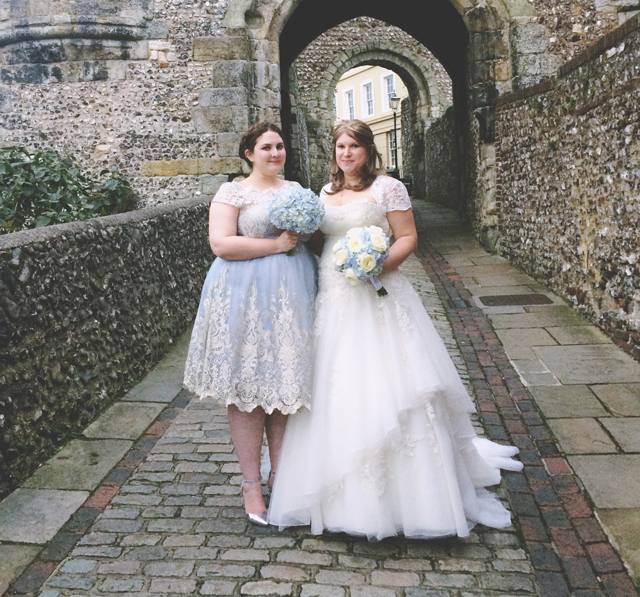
42 187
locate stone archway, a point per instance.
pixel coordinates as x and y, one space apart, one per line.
316 106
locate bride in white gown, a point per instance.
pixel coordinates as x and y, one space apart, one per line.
388 446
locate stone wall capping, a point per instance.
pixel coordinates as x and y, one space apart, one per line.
50 233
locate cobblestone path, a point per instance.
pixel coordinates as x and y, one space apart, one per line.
168 520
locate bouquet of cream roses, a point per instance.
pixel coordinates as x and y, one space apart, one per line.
360 253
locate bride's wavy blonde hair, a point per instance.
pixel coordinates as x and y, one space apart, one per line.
362 134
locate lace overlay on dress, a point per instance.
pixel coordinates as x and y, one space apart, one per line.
252 340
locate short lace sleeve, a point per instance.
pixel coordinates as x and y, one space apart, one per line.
323 191
229 193
391 194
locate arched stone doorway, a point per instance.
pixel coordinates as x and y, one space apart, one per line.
488 47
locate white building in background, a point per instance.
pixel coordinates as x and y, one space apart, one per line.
363 93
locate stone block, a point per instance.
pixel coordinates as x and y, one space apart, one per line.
601 472
221 48
228 118
527 65
581 436
158 29
223 97
266 587
6 100
124 421
488 45
104 70
567 402
529 38
169 167
209 185
221 165
80 465
482 18
234 73
36 515
623 400
578 335
613 6
13 560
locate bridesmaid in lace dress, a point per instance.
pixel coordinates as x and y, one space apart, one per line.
251 345
388 446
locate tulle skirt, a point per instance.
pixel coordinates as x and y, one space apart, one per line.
388 446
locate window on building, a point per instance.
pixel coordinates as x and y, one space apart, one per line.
367 98
349 106
391 149
388 90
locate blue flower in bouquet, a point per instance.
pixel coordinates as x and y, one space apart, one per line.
299 210
359 255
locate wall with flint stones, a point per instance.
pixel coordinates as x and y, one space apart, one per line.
568 163
86 308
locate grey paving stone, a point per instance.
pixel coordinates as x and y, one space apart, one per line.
124 420
585 334
623 400
535 373
552 316
36 515
623 527
567 401
525 337
581 436
80 465
13 560
600 473
158 386
625 431
589 364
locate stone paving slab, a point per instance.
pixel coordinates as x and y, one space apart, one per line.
540 319
612 480
36 515
124 420
622 400
623 525
590 364
558 402
13 560
626 432
581 436
578 335
81 464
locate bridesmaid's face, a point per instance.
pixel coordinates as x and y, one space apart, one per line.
350 155
269 155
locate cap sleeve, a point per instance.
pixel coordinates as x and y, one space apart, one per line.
391 194
323 191
229 193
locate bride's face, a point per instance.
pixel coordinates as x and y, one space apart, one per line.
350 155
269 155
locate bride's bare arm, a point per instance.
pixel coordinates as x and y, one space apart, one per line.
225 242
406 238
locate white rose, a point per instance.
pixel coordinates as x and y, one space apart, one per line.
354 244
379 242
367 262
340 257
351 275
354 232
375 230
337 245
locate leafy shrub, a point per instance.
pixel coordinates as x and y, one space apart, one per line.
42 187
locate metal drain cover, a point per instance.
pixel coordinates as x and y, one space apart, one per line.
509 300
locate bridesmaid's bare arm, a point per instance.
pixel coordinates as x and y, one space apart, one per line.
406 238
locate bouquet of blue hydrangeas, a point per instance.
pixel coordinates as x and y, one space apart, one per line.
360 253
297 209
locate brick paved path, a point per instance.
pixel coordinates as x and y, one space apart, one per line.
169 520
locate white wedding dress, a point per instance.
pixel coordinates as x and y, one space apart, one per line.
388 446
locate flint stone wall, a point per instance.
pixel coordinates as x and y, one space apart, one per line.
86 308
442 160
568 164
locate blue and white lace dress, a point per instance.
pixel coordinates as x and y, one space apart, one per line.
252 340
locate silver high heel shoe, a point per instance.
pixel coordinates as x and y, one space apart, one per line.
257 519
